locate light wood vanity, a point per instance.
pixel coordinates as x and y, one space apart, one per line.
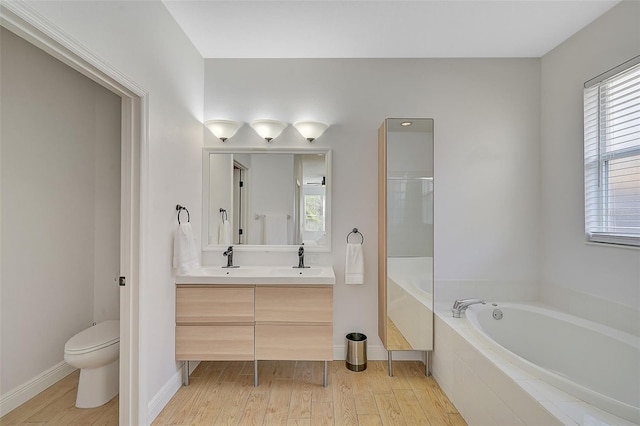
254 322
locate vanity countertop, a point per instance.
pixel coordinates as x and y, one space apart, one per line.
259 275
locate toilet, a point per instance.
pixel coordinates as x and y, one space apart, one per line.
95 351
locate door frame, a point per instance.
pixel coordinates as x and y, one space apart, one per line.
20 19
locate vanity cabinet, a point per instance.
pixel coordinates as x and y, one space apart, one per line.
214 323
294 323
254 322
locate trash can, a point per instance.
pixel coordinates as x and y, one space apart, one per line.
356 352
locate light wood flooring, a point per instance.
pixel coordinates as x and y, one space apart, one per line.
290 393
395 339
56 406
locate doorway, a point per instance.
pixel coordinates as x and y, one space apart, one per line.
240 202
133 140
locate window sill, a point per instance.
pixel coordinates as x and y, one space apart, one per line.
625 242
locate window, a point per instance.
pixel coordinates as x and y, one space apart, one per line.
314 213
612 156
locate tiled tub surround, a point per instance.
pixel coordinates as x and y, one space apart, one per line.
410 298
489 387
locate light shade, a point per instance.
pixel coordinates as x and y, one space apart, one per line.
223 129
311 130
268 129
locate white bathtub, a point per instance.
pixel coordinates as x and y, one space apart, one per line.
410 298
592 362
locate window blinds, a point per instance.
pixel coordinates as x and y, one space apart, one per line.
612 157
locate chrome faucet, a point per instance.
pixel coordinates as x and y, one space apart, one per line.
301 258
461 305
229 254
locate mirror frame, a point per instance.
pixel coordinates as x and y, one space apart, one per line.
257 150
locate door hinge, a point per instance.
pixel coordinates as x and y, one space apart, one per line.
241 184
240 231
122 281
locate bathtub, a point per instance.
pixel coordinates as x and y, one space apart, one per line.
592 362
410 298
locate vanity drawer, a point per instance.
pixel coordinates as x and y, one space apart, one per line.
294 342
294 304
214 343
198 305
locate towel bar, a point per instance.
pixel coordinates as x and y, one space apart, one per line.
355 231
179 209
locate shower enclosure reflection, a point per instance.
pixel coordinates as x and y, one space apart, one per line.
406 235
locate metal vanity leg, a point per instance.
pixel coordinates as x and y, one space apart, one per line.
255 373
390 361
427 371
186 373
325 378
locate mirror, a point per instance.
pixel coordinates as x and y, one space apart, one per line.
276 198
406 234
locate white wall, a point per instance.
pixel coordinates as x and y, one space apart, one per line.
486 159
598 282
263 199
60 208
143 42
220 176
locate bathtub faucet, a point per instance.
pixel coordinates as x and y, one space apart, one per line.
461 305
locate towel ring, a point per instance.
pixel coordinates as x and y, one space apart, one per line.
355 231
223 214
179 209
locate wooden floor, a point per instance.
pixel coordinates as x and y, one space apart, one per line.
395 339
56 406
290 393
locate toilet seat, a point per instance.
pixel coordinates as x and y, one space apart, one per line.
94 338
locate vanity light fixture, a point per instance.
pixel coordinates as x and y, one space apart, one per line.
406 123
268 129
311 130
223 129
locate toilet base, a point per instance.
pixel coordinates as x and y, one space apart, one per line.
97 386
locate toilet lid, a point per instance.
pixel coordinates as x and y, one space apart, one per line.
101 335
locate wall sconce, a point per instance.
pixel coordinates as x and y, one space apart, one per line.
223 129
311 130
268 129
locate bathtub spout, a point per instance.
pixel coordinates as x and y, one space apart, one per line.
461 305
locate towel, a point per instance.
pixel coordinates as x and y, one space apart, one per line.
185 253
354 264
224 233
275 229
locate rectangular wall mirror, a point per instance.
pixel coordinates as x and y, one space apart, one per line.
277 198
405 274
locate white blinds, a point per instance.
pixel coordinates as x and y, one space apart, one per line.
612 158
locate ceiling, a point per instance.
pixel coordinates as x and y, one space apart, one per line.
382 29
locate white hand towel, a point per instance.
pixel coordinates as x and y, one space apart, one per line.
224 233
275 228
354 264
185 253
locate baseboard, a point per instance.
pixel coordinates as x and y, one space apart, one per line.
21 394
164 395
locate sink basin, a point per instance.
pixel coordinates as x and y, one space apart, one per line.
264 275
297 272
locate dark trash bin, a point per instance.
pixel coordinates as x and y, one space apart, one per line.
356 359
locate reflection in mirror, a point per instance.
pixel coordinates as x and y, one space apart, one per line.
275 198
407 182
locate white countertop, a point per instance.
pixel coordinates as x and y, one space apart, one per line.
259 275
